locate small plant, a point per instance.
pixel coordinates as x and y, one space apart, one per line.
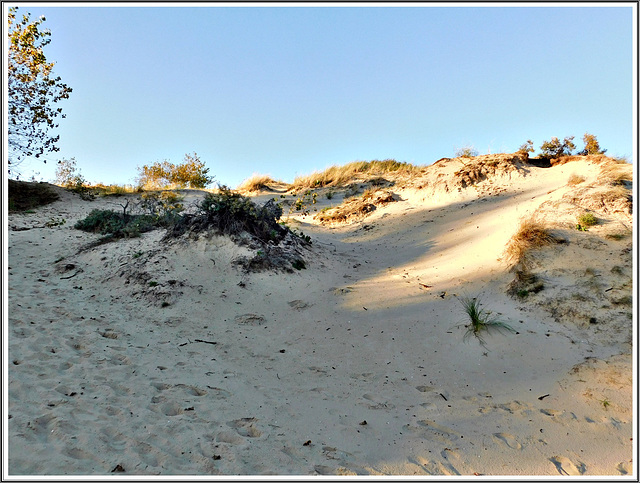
481 320
137 255
585 220
466 152
605 402
329 194
55 222
153 283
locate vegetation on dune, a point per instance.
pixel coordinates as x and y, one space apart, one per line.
224 212
481 321
256 182
342 175
531 234
556 148
191 173
33 91
466 152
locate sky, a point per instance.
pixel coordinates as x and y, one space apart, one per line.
286 90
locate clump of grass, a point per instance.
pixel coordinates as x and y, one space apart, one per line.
531 234
575 179
256 182
585 220
615 174
343 175
481 321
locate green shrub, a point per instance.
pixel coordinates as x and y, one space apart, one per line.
587 219
229 213
555 148
190 174
118 225
525 149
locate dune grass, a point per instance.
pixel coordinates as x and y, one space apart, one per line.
530 235
256 182
343 175
481 321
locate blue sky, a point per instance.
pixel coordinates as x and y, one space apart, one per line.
292 89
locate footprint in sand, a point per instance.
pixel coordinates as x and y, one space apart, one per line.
433 432
567 467
508 439
245 427
377 403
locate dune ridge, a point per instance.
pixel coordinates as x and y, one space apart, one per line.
146 356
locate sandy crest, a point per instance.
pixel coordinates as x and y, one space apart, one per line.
149 358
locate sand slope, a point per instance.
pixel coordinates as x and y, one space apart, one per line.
148 358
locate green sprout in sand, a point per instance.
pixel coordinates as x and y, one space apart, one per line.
481 320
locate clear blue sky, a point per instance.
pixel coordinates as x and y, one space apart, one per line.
292 89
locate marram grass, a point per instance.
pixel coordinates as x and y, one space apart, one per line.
481 321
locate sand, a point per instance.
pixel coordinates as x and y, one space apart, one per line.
141 357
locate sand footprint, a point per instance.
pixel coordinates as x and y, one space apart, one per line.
433 432
508 439
245 427
567 467
377 403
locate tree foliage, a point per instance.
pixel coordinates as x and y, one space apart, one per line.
192 173
525 149
591 145
33 91
556 148
67 174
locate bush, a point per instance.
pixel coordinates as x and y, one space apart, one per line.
190 174
556 149
524 150
466 152
230 213
115 224
591 145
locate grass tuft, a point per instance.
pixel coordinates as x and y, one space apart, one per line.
256 182
530 235
481 321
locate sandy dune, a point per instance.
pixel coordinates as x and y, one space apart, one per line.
143 357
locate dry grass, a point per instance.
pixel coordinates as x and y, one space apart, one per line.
356 208
343 175
530 235
616 174
257 182
575 179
